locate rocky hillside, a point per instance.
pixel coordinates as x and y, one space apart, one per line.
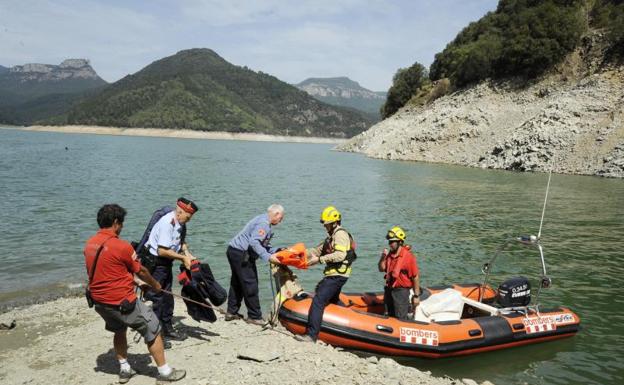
33 80
3 69
35 91
342 91
571 121
197 89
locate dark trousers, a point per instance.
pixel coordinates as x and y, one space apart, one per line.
162 303
243 284
396 301
328 290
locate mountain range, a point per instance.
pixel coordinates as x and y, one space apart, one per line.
199 90
342 91
194 89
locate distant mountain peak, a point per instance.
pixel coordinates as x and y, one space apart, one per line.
68 69
342 91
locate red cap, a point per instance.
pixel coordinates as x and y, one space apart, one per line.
187 205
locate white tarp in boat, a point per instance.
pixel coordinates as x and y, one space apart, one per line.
444 306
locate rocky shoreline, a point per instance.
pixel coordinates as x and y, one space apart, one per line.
180 134
64 342
567 124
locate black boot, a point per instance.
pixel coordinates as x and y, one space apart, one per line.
171 334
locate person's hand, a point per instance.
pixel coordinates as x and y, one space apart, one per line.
313 261
273 259
156 289
187 262
415 302
384 253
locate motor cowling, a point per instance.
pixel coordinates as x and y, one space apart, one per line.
514 292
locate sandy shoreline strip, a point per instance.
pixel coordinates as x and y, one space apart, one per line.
180 134
64 342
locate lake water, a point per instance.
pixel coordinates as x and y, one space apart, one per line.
51 186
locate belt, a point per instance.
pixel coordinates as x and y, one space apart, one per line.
108 305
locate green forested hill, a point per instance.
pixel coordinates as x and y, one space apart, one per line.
521 39
197 89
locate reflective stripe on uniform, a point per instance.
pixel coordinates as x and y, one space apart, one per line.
336 272
341 248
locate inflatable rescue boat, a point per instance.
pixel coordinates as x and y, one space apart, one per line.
450 320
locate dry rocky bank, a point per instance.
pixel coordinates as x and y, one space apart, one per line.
572 123
64 342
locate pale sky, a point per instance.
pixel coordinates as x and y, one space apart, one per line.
292 40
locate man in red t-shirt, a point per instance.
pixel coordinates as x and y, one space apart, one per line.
401 270
111 267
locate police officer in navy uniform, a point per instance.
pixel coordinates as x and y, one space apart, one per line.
253 242
167 244
337 253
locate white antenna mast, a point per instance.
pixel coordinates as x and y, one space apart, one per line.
539 233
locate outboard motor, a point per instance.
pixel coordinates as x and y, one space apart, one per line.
514 292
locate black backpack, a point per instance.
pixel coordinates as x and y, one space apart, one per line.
143 253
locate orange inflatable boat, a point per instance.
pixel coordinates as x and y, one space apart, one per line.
359 324
450 320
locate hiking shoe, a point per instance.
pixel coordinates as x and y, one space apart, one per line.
304 338
256 321
232 317
175 375
126 375
171 334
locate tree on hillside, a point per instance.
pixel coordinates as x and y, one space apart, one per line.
609 14
405 83
521 38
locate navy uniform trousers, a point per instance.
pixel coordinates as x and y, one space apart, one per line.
243 284
328 290
162 303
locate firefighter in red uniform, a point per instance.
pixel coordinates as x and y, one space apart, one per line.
402 274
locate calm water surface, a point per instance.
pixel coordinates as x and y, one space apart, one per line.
455 218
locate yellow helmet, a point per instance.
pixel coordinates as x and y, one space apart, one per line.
396 234
330 215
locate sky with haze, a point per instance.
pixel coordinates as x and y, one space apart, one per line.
292 40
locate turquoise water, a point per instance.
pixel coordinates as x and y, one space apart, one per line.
455 218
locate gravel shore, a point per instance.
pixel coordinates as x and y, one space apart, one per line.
180 134
64 342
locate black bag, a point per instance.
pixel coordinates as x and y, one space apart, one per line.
213 290
199 284
127 307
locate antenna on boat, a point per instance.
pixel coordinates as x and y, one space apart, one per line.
528 240
539 233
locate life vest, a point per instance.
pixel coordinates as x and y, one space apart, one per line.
399 272
295 256
345 265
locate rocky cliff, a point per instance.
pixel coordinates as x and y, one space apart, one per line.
342 91
36 91
570 121
68 69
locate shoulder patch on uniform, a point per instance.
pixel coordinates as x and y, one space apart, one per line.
261 232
